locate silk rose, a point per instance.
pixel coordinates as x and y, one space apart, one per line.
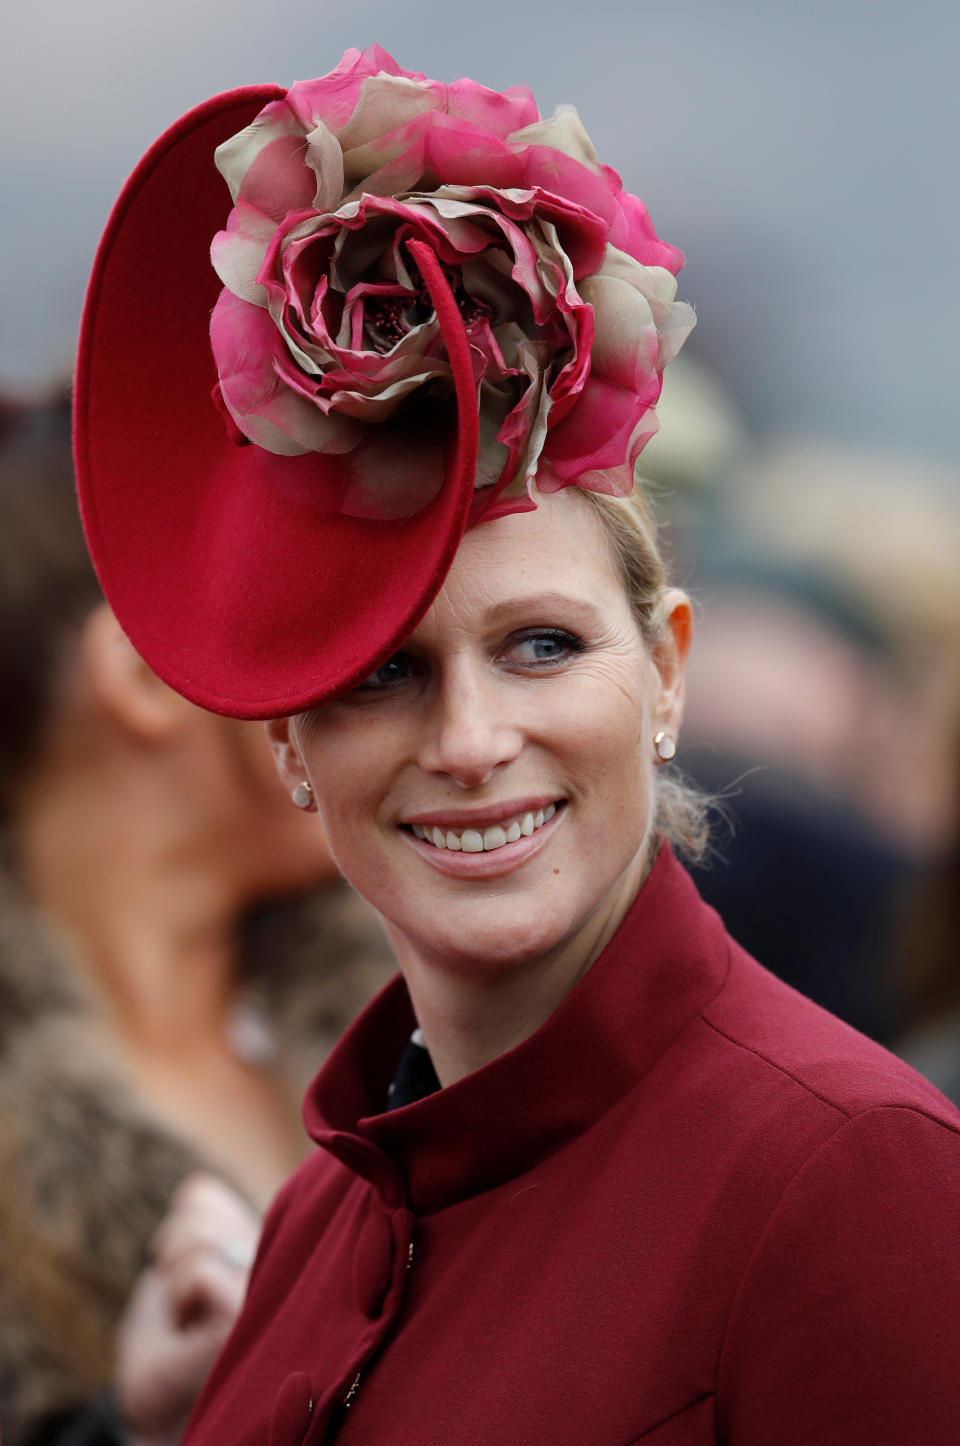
324 330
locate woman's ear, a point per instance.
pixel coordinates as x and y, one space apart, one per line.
669 658
286 754
123 685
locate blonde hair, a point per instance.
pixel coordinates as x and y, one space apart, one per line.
682 810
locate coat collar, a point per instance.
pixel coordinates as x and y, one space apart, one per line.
666 961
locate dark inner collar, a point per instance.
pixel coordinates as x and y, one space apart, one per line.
415 1077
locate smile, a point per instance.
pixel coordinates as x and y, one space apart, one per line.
477 841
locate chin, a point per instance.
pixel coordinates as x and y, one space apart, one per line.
489 937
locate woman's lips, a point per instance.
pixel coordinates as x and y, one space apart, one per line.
471 853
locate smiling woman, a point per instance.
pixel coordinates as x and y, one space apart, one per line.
585 1171
509 743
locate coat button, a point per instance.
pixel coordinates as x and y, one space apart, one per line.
292 1411
373 1263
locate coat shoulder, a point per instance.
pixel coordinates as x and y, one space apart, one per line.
781 1034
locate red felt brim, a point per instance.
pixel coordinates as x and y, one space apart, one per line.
238 592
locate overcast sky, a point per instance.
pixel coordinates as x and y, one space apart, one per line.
805 156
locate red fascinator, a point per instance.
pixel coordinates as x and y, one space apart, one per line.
410 307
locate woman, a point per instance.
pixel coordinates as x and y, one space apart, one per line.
157 896
587 1172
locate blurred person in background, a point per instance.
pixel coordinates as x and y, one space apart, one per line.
927 961
177 955
790 694
822 700
884 534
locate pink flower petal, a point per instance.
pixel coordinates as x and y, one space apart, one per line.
498 112
632 231
263 164
596 433
237 253
245 342
333 97
448 149
563 176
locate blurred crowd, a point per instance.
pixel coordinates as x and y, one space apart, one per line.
177 954
823 711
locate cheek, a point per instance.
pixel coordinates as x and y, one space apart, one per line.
610 761
603 732
351 763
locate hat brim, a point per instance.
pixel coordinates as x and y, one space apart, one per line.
238 590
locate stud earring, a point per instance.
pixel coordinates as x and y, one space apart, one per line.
665 746
302 795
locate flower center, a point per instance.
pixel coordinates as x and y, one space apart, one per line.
388 319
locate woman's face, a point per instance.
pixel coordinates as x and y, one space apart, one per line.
489 789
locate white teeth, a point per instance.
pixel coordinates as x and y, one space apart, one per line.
473 841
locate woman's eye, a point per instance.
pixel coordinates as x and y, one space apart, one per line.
396 670
543 647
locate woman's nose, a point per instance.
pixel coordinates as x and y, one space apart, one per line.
468 733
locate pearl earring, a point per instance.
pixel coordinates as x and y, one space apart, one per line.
302 795
665 746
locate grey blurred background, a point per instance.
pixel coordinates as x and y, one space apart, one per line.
804 157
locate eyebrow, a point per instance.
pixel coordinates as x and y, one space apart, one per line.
541 602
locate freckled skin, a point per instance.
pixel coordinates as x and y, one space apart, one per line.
474 716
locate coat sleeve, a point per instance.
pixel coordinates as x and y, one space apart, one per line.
846 1327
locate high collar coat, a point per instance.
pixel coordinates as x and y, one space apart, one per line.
692 1208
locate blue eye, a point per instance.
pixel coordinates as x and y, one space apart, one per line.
395 670
542 646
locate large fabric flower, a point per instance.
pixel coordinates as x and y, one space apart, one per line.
325 338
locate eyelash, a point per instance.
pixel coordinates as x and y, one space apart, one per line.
570 644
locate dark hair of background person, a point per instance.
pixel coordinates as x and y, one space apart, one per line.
927 960
47 584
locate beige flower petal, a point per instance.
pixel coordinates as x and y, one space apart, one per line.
491 454
565 132
626 343
235 156
296 426
237 254
385 102
674 320
312 358
674 331
325 159
656 282
552 261
264 434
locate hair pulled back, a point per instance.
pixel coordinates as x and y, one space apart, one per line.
682 811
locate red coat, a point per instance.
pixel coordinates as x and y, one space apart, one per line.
692 1208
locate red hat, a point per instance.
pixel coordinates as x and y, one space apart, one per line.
275 472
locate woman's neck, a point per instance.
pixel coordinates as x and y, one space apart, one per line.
471 1016
145 913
